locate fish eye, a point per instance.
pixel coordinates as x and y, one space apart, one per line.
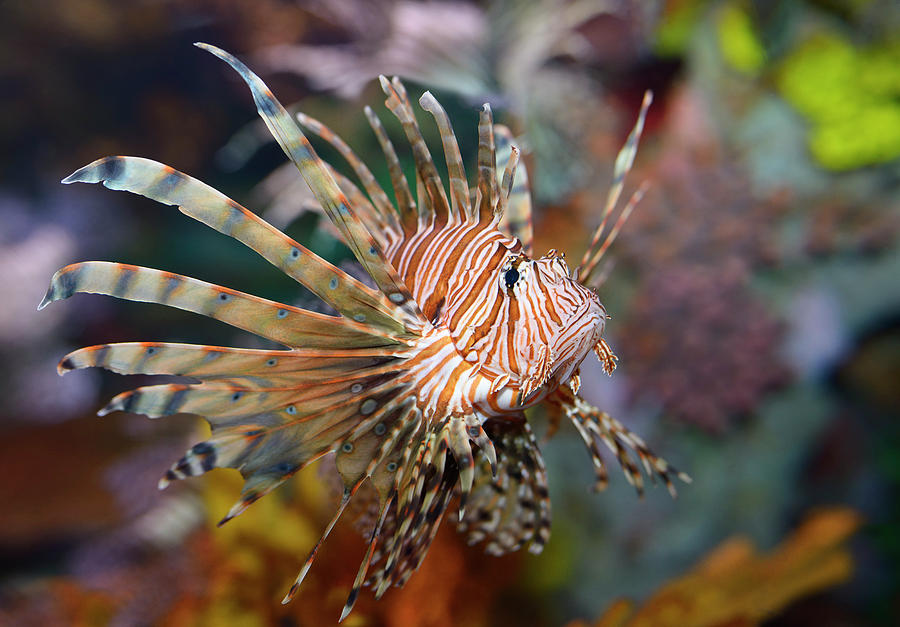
511 276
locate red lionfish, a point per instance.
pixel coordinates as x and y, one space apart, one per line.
420 385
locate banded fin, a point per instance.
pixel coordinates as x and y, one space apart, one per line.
417 467
219 362
624 161
436 208
516 220
461 210
198 200
297 147
596 427
270 440
409 213
288 325
383 211
488 188
363 451
512 508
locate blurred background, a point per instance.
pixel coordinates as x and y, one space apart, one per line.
755 302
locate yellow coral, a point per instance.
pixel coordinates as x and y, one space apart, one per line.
738 40
849 96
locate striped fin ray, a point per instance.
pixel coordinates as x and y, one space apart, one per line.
488 189
207 205
382 232
417 496
221 401
377 454
593 277
624 161
381 204
374 537
406 206
210 363
459 188
239 395
288 325
333 201
269 446
599 428
516 220
437 207
373 455
438 492
512 508
422 503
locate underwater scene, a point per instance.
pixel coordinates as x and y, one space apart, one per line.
582 313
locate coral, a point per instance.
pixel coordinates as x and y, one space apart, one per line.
734 585
849 94
696 339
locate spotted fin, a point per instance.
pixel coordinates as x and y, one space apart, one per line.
209 363
277 427
333 201
201 202
288 325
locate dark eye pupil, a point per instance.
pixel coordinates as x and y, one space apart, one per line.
511 276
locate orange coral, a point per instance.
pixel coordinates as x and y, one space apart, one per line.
736 586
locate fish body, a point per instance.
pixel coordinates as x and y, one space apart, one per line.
418 385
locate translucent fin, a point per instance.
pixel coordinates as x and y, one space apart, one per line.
380 202
409 214
268 439
381 231
624 161
516 220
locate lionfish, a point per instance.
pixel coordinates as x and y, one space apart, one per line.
419 385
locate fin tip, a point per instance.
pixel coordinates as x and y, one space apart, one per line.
65 365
